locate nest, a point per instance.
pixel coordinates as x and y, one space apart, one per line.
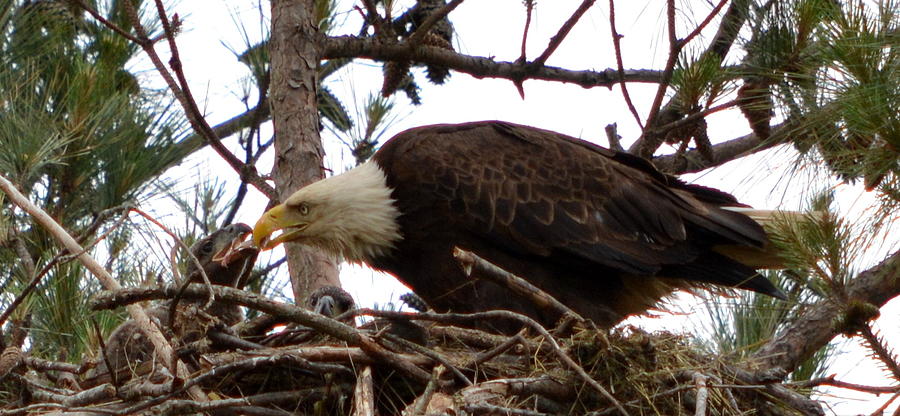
326 367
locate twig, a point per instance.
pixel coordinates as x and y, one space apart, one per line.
616 38
557 39
61 257
880 410
422 401
702 394
240 405
434 355
184 97
484 408
674 50
289 312
493 352
364 394
41 364
273 360
729 28
471 261
687 39
113 372
321 353
529 9
162 348
187 281
531 323
832 381
612 135
115 28
610 410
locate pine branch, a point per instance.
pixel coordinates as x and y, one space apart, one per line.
881 350
815 329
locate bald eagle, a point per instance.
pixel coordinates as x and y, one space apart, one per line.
603 232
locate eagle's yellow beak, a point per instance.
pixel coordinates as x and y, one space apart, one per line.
279 217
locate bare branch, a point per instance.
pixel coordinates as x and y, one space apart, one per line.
692 161
289 312
518 285
704 23
192 111
617 45
724 38
557 39
832 381
480 67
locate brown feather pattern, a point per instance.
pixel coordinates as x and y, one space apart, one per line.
602 231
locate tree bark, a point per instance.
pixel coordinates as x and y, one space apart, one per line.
295 50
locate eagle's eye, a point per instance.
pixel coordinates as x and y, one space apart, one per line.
303 208
207 247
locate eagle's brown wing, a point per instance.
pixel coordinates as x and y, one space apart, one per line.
539 193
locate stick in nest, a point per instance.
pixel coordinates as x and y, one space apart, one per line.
471 261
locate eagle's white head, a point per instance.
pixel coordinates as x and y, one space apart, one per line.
351 215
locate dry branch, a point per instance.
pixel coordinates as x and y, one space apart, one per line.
479 67
363 394
516 284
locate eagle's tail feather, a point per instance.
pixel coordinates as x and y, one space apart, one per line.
768 256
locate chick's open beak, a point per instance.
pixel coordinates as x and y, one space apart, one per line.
278 218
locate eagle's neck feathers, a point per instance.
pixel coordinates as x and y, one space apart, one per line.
361 215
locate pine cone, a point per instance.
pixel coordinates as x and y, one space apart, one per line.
755 101
394 75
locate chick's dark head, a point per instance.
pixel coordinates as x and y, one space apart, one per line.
330 301
223 257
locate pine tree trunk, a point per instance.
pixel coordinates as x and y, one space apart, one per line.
295 52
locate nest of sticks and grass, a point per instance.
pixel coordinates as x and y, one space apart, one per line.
324 366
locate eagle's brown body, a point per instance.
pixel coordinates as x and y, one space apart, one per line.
603 232
587 225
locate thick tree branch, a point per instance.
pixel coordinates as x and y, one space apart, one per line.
815 328
479 67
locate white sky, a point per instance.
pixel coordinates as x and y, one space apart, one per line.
216 75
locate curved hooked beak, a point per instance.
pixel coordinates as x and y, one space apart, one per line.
277 218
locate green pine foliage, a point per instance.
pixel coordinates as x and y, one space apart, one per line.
80 136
